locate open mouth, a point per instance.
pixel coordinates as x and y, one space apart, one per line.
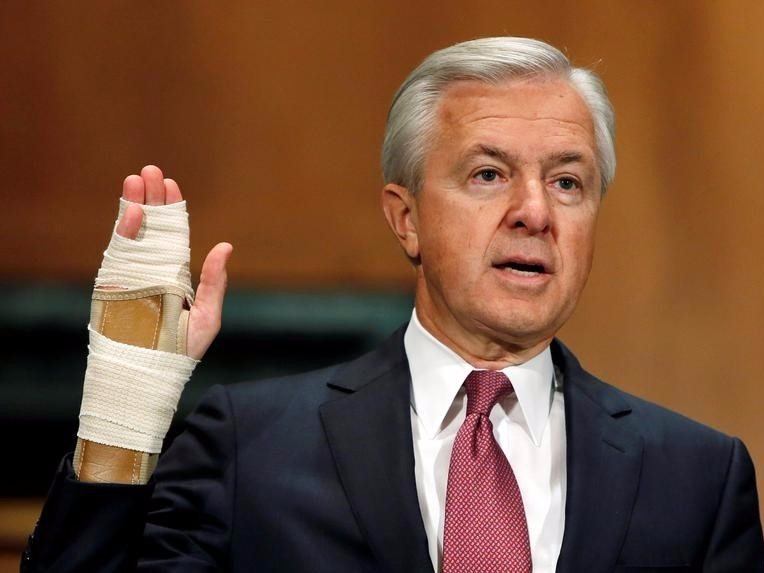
522 269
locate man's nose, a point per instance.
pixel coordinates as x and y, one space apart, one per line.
529 207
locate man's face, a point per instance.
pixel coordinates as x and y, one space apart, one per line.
504 223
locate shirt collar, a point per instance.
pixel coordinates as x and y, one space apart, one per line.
437 375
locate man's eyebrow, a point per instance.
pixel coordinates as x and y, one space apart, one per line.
563 157
490 151
555 158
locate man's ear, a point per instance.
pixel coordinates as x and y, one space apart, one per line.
399 206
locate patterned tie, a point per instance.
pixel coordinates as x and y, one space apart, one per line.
485 529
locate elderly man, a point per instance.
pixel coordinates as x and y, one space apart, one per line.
471 441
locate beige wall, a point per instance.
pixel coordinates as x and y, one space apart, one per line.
270 115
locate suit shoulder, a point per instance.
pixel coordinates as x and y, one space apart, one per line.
307 391
309 386
660 422
653 421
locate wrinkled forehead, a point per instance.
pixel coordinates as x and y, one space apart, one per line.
528 98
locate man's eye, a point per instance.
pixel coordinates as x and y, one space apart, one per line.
487 175
567 184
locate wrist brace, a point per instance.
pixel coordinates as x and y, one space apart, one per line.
130 394
137 365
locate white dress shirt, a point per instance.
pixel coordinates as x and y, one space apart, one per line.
529 426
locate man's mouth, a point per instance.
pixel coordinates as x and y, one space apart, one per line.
525 269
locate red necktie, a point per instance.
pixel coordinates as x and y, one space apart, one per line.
485 529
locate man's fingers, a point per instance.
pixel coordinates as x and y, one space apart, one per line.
172 192
151 188
130 223
154 181
133 189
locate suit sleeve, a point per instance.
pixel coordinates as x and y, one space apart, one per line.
179 521
736 542
189 522
87 526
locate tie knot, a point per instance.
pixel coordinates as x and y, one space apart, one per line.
484 389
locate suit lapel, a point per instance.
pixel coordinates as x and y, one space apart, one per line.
604 458
368 428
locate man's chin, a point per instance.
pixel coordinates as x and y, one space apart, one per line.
518 330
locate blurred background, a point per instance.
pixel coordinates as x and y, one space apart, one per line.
270 116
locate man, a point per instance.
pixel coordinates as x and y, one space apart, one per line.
496 157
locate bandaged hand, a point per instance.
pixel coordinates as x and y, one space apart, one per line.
147 328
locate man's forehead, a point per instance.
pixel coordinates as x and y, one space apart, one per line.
528 98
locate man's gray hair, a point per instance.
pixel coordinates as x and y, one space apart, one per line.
412 117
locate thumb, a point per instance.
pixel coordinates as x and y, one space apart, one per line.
214 278
130 223
205 317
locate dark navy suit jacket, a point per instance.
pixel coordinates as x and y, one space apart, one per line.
315 473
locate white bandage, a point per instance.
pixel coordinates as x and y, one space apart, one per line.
160 255
130 394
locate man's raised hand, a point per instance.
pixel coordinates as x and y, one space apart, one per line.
151 188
